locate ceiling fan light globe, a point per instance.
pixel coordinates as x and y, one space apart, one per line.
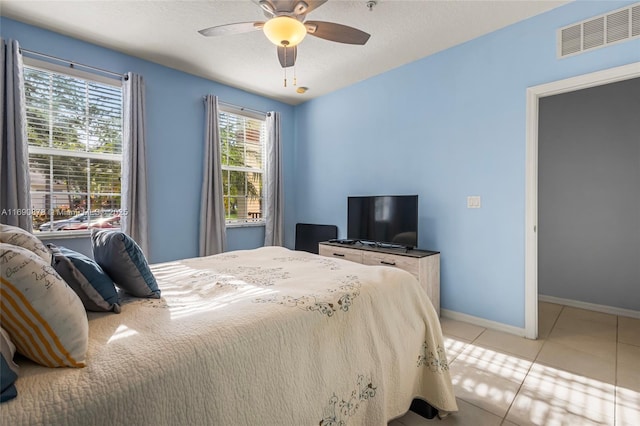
284 31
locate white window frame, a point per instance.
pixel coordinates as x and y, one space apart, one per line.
75 73
238 111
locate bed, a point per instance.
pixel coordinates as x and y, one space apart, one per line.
268 336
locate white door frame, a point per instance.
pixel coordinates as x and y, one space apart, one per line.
534 94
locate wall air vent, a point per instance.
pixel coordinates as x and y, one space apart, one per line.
613 27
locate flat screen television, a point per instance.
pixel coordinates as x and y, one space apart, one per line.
387 219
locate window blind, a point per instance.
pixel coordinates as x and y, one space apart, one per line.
242 141
74 128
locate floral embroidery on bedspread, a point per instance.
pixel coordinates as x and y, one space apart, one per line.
437 361
238 276
254 275
345 293
338 410
324 262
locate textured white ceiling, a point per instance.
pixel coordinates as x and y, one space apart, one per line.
166 32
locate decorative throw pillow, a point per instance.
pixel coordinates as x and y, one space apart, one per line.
21 238
8 368
44 317
94 287
121 258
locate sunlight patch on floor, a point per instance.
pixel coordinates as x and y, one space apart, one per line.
550 395
491 379
627 406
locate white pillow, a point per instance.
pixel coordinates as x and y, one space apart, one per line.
21 238
44 317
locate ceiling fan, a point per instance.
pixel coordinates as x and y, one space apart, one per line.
286 27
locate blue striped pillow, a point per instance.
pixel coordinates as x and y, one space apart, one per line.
94 287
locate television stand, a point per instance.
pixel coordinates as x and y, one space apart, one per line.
423 264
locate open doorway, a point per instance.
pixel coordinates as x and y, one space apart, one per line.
534 94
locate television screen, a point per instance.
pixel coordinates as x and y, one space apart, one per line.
390 219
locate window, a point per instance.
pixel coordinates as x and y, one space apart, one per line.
242 154
74 127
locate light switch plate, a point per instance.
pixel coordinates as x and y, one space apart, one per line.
473 202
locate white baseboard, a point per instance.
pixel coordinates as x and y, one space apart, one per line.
590 306
494 325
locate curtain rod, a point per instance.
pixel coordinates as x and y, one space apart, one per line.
241 108
73 64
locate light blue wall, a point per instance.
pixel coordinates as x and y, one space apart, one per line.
445 127
175 120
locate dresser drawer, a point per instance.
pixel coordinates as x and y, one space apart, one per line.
409 264
340 252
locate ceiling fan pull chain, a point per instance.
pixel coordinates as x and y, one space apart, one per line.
295 79
285 66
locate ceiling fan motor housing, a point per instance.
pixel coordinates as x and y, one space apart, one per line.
271 9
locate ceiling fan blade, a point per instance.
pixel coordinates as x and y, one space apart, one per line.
267 6
228 29
314 4
291 54
336 32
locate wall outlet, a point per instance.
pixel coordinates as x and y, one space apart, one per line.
473 202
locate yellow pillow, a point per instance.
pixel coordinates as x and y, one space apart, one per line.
44 317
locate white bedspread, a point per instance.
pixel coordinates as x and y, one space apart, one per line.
258 337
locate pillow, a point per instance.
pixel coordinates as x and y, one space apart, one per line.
8 368
94 287
123 260
21 238
44 317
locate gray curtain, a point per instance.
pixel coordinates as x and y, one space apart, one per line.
274 202
15 184
134 163
213 238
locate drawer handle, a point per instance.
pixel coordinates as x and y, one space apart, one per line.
338 254
388 263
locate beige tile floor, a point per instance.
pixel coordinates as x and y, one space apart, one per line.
584 369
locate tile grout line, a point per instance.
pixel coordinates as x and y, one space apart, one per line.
481 408
469 402
504 419
555 322
478 336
